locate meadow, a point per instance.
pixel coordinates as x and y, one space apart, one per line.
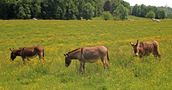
57 36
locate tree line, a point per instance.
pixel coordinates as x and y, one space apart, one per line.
149 11
50 9
75 9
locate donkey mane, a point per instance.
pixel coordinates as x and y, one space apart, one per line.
74 50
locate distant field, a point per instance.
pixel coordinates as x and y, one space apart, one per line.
125 72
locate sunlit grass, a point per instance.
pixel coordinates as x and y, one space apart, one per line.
58 37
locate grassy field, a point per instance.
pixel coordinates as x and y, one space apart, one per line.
125 73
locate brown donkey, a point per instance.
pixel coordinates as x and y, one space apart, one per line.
145 48
88 54
27 52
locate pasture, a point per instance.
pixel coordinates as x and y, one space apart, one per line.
58 37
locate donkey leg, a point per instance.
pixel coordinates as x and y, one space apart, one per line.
84 66
23 58
104 62
107 63
156 54
81 69
41 57
43 60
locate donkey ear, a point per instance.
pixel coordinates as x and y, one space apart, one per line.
66 55
137 42
132 44
10 49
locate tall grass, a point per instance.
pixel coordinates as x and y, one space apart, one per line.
58 37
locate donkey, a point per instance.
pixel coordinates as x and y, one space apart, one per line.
27 52
145 48
88 54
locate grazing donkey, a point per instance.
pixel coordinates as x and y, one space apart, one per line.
145 48
26 52
88 54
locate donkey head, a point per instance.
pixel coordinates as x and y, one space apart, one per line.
13 54
67 60
135 47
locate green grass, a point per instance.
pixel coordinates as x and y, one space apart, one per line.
125 72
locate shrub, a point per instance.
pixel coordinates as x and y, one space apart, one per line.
150 14
107 15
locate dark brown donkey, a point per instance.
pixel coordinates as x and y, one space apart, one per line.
27 52
145 48
88 54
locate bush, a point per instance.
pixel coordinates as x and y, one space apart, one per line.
107 15
150 14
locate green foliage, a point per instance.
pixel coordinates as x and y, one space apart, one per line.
127 5
88 11
161 14
115 4
142 10
35 9
169 16
24 11
49 9
107 15
169 12
107 6
136 11
150 14
121 12
121 9
98 5
71 10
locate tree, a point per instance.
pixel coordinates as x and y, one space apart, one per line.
150 14
80 4
161 14
115 4
136 10
121 12
143 10
98 7
126 5
7 9
24 11
57 9
151 8
71 10
35 9
88 11
107 6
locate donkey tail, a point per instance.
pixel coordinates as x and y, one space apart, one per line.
43 53
108 56
156 47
